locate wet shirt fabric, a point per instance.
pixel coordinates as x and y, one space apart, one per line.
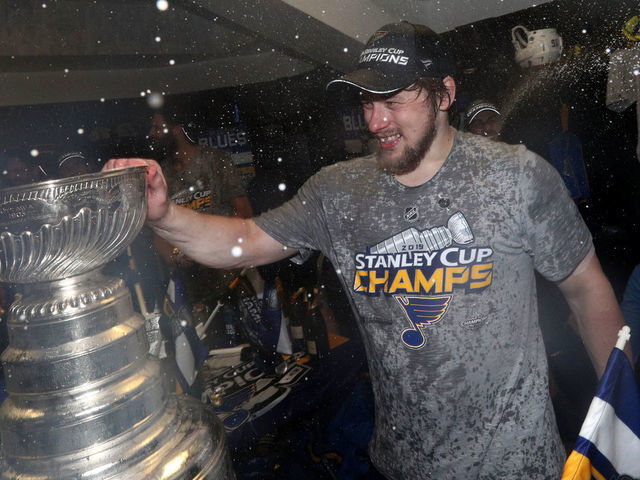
441 276
623 84
208 184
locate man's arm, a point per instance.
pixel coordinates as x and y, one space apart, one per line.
596 310
217 241
212 240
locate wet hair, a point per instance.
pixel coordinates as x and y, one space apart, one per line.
434 87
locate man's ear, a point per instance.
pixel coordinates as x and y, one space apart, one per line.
450 96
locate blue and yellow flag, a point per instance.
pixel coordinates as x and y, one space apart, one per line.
182 338
608 446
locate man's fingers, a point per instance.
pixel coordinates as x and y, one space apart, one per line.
115 163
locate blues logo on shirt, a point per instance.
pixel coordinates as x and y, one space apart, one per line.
421 269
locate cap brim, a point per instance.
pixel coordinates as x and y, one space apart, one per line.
372 81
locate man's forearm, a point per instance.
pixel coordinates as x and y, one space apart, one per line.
597 313
218 241
599 326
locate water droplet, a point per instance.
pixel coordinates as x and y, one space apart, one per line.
162 5
155 100
236 251
282 187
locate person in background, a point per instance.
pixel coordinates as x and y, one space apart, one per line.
435 239
484 118
75 162
203 179
20 171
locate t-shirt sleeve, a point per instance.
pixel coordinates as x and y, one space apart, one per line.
299 223
555 234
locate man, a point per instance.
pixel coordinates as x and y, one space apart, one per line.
435 239
20 172
74 162
484 118
202 179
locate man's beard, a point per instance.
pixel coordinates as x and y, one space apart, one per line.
412 156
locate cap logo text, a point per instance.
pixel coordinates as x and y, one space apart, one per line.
385 55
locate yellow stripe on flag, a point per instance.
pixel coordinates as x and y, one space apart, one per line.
578 467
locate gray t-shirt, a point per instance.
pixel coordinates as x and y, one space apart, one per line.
441 278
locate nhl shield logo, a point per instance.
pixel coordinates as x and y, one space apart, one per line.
411 214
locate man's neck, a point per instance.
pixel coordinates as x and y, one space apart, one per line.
433 159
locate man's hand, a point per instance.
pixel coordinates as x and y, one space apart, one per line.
205 239
158 203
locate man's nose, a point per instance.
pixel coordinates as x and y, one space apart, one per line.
377 117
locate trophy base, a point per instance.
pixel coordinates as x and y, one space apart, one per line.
87 401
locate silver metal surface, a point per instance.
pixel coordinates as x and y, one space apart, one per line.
86 401
55 229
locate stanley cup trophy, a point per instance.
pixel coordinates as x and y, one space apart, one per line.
85 400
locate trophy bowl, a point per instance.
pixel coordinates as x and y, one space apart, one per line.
60 228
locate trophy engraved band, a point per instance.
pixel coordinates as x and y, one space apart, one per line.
85 399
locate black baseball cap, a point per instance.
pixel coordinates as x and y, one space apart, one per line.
397 55
476 107
74 155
